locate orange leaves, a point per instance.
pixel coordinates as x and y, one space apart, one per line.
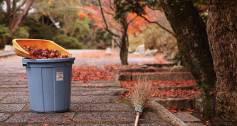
162 83
136 23
82 16
178 83
170 93
90 73
176 93
173 109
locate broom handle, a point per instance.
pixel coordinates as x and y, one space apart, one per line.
137 118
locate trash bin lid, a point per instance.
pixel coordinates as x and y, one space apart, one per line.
51 60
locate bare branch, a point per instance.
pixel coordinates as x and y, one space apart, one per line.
108 12
17 20
117 43
106 25
21 5
8 3
157 23
110 5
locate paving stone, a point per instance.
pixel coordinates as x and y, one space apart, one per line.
14 93
97 92
4 116
36 117
13 86
15 99
26 108
101 117
96 89
150 116
195 124
179 103
13 89
187 117
114 107
98 84
117 124
11 107
2 96
14 83
93 99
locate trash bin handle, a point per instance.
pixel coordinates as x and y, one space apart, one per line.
24 63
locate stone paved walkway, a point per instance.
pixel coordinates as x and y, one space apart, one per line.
93 104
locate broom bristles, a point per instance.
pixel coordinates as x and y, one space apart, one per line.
141 93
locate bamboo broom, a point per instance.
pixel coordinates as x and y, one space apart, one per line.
140 96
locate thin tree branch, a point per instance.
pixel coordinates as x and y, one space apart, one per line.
17 21
110 5
157 23
8 3
106 25
21 5
117 43
14 5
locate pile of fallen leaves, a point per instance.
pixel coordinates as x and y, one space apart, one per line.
43 53
178 93
173 93
161 83
114 68
91 73
174 109
177 83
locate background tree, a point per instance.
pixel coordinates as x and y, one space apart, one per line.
222 34
123 34
126 19
190 31
193 45
16 11
71 30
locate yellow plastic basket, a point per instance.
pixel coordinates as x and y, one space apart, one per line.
18 45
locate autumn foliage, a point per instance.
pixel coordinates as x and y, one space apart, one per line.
136 23
90 73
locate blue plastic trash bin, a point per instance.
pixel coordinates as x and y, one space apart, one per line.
49 83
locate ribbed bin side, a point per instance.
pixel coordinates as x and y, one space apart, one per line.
49 86
35 89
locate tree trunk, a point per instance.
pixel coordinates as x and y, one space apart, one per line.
17 19
124 51
193 45
124 40
222 34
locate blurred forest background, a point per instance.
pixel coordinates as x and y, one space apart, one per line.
78 24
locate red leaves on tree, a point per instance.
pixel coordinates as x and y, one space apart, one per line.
136 24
